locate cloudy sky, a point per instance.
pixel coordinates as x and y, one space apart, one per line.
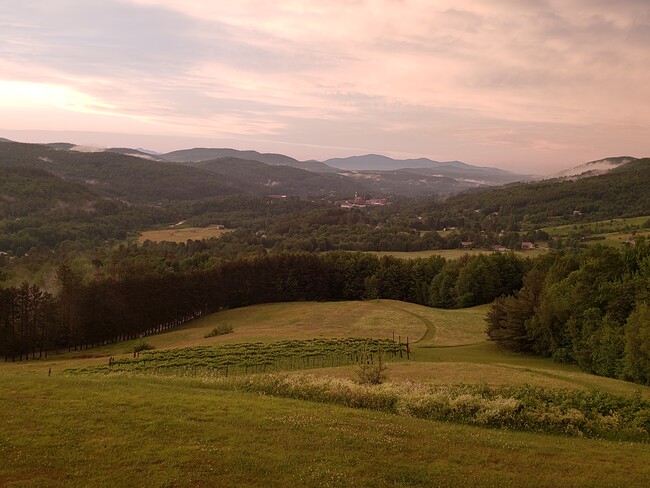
526 85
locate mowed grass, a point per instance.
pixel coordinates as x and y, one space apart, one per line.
181 234
447 346
122 430
154 432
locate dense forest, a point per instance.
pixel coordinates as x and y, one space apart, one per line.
589 309
622 192
138 300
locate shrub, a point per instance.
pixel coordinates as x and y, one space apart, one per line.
141 345
220 329
579 413
372 371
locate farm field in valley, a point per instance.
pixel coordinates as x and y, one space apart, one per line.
614 232
601 227
181 234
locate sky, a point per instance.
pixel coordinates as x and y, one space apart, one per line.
530 86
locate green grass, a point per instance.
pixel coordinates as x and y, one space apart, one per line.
448 346
283 321
181 234
118 430
122 431
251 357
600 227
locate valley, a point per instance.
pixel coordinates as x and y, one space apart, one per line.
220 319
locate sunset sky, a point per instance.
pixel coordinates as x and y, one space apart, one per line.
530 86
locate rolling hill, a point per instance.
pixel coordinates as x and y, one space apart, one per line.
621 192
452 169
260 178
198 430
28 191
118 175
206 154
593 168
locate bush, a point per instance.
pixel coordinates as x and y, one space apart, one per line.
595 414
220 329
141 345
371 371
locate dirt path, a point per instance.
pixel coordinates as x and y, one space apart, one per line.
429 335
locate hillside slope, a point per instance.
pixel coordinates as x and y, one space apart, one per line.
27 191
206 154
424 166
119 175
622 192
262 178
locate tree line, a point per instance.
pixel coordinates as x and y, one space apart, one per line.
141 300
589 309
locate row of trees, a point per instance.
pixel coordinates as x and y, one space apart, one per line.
27 318
590 309
141 301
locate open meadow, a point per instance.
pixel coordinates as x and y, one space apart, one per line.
182 234
67 424
613 232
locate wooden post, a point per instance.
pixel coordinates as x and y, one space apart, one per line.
408 349
400 346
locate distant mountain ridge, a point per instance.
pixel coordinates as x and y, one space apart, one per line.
143 175
593 168
259 177
209 154
381 162
462 172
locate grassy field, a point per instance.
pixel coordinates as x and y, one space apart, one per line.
453 253
181 234
123 430
601 227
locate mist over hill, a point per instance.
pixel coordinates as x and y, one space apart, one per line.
458 170
206 154
593 168
140 175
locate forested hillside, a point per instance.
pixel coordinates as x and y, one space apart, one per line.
590 309
621 192
28 191
261 178
118 175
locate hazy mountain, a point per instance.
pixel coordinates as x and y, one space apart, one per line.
621 192
207 154
138 179
138 153
63 146
380 162
2 139
400 182
262 178
26 191
593 168
473 175
119 175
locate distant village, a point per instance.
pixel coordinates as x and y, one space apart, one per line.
361 202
